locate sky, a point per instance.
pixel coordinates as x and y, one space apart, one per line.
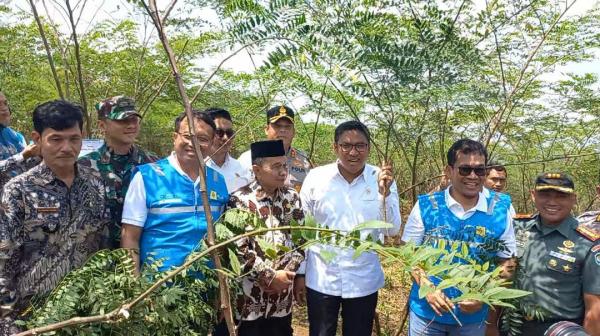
99 10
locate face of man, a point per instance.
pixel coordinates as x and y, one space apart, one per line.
283 129
121 132
223 137
4 112
496 180
271 172
59 148
554 206
467 174
352 151
182 141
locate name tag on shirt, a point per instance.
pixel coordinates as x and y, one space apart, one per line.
47 209
562 256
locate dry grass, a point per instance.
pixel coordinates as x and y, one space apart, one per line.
391 303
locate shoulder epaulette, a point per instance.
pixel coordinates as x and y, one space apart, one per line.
590 230
523 216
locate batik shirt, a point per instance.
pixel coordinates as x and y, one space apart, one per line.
116 173
47 230
12 162
274 211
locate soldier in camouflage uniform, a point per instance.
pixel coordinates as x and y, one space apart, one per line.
54 215
265 306
558 260
115 159
280 125
16 156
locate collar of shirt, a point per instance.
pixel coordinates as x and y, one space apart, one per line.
363 177
175 163
47 176
261 195
459 210
563 228
209 161
106 153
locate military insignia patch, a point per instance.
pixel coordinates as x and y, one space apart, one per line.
588 232
553 262
597 257
566 268
568 244
562 256
596 248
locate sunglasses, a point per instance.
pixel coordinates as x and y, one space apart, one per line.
221 132
466 170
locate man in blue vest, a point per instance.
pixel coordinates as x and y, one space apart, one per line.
461 212
163 214
14 152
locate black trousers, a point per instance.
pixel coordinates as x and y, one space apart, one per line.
272 326
323 312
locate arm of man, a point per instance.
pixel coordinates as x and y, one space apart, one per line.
12 218
135 212
591 322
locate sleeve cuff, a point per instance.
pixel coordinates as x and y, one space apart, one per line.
133 222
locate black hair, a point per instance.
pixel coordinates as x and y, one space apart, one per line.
197 114
349 126
58 115
495 165
216 112
465 146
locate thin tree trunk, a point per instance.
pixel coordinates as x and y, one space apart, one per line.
223 286
88 126
47 47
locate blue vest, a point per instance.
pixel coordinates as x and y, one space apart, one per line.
176 223
481 229
11 143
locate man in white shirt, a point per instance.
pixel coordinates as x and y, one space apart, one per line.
342 195
461 212
236 176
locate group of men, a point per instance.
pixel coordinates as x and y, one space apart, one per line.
58 209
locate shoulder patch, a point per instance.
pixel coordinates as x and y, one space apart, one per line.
523 216
588 232
596 248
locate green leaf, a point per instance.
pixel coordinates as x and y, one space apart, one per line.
236 268
327 255
425 290
372 224
508 293
361 248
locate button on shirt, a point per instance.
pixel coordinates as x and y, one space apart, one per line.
340 205
236 176
414 231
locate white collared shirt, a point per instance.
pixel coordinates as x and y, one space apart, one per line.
337 204
135 210
236 176
414 231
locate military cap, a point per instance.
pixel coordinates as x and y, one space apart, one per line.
555 181
267 148
116 108
278 112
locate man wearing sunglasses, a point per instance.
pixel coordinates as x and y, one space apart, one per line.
236 176
461 212
120 122
280 126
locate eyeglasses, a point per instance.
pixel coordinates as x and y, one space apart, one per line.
201 139
466 170
360 147
221 132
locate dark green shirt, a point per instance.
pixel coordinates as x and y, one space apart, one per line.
116 173
557 264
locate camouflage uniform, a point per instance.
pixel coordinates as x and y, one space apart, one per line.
298 167
116 173
47 230
277 211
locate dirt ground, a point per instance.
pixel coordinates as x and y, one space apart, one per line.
391 304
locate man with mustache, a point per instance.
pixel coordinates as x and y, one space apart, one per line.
16 156
558 259
54 214
280 126
120 122
461 212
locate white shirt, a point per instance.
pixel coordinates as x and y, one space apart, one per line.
236 176
135 210
340 205
414 230
245 161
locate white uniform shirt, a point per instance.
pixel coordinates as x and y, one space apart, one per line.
414 231
236 176
337 204
135 210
